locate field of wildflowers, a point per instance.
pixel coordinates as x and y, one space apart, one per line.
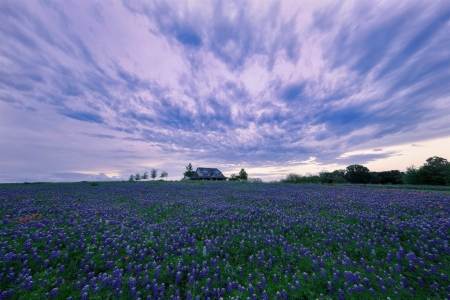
154 240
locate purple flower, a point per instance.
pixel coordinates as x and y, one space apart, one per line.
324 273
335 278
404 283
178 278
54 293
420 281
341 295
251 290
330 288
433 269
305 276
434 286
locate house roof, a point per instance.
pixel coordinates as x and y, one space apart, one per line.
208 173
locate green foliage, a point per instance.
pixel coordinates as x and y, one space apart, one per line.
164 174
145 176
137 177
154 173
436 171
234 177
387 177
357 174
295 178
189 171
336 176
131 178
243 175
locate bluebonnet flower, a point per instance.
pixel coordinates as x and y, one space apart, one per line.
265 296
315 266
324 273
420 281
433 269
335 278
404 283
305 276
435 286
251 290
341 295
330 288
391 281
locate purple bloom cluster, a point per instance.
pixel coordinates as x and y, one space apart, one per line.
191 241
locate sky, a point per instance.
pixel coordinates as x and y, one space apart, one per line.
99 90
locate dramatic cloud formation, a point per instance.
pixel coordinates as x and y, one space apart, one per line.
102 90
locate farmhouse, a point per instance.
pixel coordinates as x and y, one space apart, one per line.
207 174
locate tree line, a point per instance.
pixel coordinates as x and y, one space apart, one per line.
435 171
153 175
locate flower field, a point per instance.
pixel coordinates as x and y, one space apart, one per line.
169 240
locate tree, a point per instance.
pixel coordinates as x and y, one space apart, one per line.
326 177
137 177
131 178
436 171
411 176
374 178
234 177
293 178
337 176
390 177
145 176
154 173
189 171
436 167
243 175
357 174
164 174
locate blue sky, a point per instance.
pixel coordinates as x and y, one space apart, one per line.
99 90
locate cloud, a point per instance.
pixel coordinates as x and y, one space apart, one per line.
362 159
232 31
71 177
82 116
99 135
